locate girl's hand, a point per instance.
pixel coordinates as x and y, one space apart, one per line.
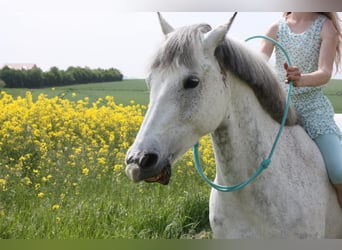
293 74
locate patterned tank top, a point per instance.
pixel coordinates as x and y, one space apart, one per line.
314 108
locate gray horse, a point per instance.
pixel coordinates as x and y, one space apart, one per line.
202 82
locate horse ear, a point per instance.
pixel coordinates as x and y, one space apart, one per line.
166 27
231 20
216 36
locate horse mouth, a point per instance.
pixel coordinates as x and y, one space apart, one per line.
162 178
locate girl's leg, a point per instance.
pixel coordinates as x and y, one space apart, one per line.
330 147
338 188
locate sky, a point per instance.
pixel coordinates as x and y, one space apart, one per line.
98 34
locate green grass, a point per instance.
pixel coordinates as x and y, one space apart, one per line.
123 91
333 90
106 209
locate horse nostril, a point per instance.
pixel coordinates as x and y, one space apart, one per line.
129 159
148 160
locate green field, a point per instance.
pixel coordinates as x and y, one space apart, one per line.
127 90
123 91
333 91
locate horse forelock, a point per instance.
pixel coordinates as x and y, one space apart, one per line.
180 46
253 69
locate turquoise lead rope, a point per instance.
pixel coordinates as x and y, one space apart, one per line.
265 163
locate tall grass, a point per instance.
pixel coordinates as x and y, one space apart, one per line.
62 175
105 209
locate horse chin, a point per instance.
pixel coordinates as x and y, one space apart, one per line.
163 178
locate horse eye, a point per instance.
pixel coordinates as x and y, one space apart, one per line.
191 82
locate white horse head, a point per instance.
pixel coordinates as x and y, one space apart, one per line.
201 82
189 96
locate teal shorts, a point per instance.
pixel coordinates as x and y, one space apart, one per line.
331 149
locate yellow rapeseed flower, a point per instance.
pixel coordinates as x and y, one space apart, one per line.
40 195
101 160
85 171
27 180
117 167
55 207
3 184
68 139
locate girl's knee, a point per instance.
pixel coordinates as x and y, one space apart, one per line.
335 174
333 165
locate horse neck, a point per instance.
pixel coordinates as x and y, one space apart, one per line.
244 138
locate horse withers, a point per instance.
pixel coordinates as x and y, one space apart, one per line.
201 82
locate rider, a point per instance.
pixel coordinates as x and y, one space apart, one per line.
313 42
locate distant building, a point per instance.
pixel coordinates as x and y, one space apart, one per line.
20 65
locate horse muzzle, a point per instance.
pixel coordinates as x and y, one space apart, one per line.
147 167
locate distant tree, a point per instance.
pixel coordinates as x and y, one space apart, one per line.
68 77
53 77
12 77
36 78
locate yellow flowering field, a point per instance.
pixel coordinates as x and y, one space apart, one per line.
62 174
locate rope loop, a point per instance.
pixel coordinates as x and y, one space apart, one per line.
265 163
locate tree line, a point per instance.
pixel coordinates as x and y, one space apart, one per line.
36 78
